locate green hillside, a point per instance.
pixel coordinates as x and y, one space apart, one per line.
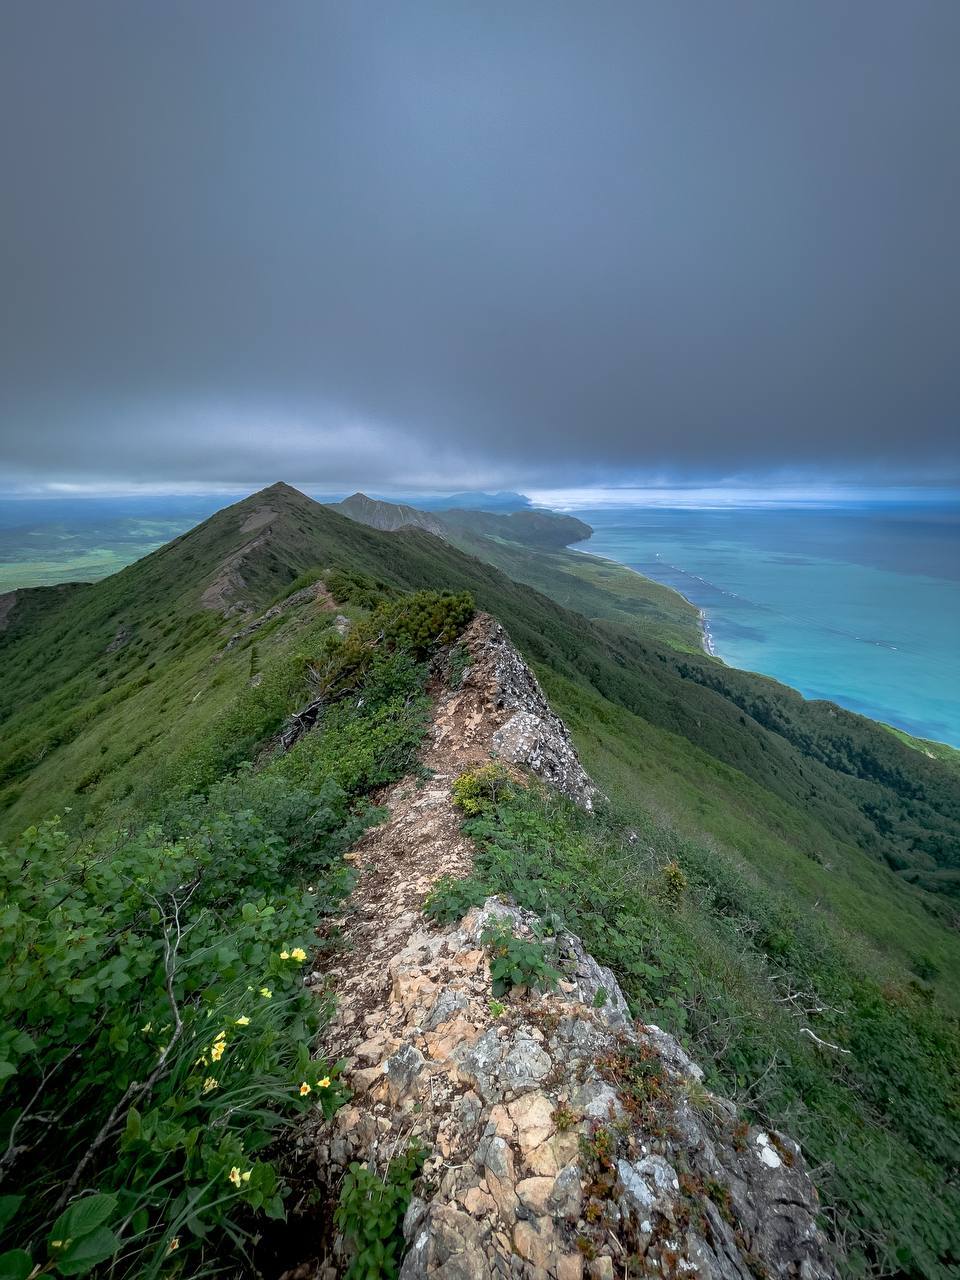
818 854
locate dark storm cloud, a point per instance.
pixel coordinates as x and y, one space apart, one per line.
530 242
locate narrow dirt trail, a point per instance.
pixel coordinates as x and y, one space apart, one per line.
399 861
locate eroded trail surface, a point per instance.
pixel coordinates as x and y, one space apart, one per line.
548 1159
496 708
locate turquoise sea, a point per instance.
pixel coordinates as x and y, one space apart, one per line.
859 604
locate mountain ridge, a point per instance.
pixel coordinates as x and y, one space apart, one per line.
758 866
386 515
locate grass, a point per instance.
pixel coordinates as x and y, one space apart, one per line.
48 554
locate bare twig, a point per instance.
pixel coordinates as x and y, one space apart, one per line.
14 1151
823 1044
173 934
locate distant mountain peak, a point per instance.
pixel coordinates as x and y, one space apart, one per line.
279 488
388 516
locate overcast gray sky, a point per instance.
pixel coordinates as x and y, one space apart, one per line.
520 243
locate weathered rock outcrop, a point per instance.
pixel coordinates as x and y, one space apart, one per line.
529 732
565 1140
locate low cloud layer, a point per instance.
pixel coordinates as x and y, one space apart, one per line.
537 244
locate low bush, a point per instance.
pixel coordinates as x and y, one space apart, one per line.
515 962
151 991
370 1213
478 788
449 900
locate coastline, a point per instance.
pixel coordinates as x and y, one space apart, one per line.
707 642
707 635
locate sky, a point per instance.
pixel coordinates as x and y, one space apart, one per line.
525 243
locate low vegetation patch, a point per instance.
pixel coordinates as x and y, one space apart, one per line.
742 978
516 962
370 1214
156 1035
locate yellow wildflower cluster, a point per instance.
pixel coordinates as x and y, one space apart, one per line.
215 1052
297 954
236 1177
307 1088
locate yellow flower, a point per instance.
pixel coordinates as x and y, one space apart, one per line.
216 1051
298 953
324 1083
210 1083
243 1021
305 1089
245 1176
234 1176
284 955
174 1244
147 1029
266 993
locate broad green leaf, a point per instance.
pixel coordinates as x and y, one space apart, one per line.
82 1255
134 1128
8 1207
15 1265
82 1217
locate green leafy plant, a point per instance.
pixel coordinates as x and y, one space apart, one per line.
151 987
479 788
673 883
515 962
450 900
370 1214
457 665
565 1118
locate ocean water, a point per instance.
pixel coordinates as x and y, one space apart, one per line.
859 604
